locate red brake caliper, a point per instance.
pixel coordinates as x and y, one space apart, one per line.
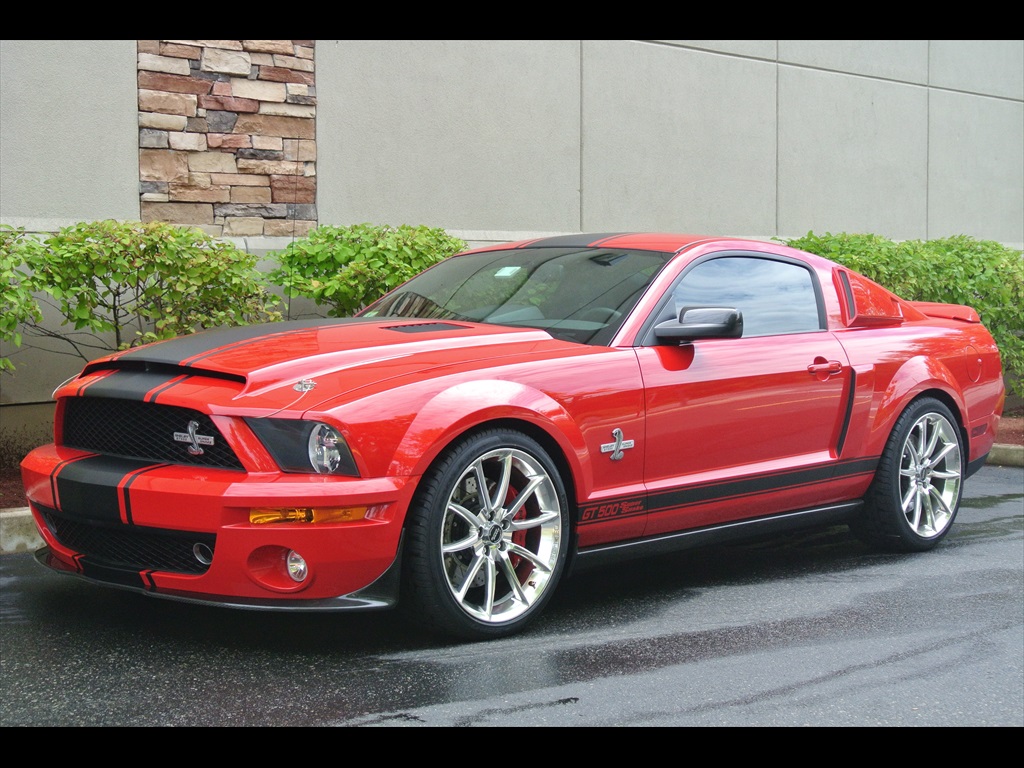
522 566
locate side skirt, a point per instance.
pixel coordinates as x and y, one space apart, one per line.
715 534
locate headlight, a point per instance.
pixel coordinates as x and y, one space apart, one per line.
326 449
305 446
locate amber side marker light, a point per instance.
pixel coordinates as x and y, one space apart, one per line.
264 515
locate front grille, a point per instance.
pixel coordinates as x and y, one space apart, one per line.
128 547
136 430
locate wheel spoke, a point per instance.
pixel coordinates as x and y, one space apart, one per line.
481 486
513 579
544 518
523 497
915 517
470 577
515 549
501 491
935 496
946 448
909 497
471 539
470 517
936 433
490 579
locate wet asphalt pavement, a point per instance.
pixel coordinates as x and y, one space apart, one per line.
802 630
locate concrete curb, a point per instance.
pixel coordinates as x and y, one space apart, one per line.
18 530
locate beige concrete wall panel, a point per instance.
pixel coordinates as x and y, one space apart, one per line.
457 134
853 155
991 67
976 171
70 131
902 60
759 49
677 140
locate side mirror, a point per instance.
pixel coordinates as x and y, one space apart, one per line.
701 323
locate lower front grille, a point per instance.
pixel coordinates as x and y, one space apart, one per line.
131 547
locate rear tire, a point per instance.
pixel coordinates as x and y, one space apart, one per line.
916 493
487 537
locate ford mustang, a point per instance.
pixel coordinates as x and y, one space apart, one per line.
510 417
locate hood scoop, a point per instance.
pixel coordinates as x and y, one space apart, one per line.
425 327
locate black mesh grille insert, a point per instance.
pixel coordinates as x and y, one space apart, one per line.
136 430
128 547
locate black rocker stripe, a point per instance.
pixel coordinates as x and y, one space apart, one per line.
758 485
90 489
678 498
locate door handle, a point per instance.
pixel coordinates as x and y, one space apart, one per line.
823 368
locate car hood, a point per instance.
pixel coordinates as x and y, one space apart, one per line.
264 366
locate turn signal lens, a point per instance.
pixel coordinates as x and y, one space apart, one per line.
263 515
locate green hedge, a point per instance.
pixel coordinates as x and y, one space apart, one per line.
982 274
345 268
117 284
17 304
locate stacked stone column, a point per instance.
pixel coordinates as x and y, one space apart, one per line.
227 135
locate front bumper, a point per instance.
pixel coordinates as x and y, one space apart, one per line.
183 532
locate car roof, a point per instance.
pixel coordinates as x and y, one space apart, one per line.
668 242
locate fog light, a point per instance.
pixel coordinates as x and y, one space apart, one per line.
296 565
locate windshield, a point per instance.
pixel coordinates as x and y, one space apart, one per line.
576 295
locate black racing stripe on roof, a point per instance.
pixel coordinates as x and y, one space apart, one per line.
574 241
187 350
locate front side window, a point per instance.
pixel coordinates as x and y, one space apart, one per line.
774 296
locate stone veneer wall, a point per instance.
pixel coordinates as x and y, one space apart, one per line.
227 135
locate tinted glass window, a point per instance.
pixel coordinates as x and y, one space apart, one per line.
774 296
574 294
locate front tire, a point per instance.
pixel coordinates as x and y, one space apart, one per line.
916 492
487 537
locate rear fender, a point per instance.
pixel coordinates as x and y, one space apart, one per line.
916 376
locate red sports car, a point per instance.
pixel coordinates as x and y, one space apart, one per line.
510 416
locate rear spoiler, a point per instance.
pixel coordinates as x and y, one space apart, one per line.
947 311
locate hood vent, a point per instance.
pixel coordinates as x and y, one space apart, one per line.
425 327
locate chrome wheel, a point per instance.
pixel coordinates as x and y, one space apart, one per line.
916 492
500 539
487 537
930 475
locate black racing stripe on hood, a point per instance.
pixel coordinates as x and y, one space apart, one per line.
130 384
585 240
188 350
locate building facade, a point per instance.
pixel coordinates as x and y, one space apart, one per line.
261 140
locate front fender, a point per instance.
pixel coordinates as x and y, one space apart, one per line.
466 405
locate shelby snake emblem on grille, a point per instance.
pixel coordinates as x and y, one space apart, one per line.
195 440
